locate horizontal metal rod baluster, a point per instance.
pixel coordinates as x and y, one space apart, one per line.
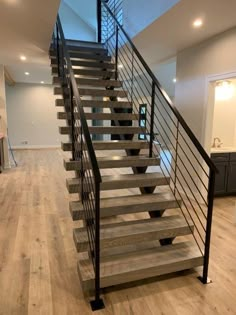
193 154
134 86
186 155
143 71
134 96
169 103
183 203
177 168
137 71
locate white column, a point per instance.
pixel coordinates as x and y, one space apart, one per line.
3 116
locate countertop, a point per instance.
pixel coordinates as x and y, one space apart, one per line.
223 150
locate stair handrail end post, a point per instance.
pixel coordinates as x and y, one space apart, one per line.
211 190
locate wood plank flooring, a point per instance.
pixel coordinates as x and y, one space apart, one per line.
38 259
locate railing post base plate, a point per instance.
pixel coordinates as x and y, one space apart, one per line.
97 305
208 281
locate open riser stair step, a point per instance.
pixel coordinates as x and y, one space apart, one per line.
127 205
134 232
114 162
140 264
110 145
122 182
99 104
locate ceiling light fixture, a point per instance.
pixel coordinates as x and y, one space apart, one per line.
42 82
174 80
197 23
27 73
23 58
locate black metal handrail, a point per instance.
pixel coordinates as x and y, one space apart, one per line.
183 123
183 159
77 100
82 151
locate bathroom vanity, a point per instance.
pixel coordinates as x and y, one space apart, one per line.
225 161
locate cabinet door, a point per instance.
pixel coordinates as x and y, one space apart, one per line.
232 178
221 178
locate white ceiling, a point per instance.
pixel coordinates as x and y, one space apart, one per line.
26 28
173 31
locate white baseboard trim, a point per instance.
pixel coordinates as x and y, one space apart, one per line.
35 147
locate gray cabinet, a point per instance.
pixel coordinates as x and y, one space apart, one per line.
226 178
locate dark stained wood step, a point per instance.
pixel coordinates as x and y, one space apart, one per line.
140 264
127 204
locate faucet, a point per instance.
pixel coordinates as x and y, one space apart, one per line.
214 145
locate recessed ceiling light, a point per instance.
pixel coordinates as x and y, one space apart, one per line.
174 80
42 82
23 58
197 23
27 73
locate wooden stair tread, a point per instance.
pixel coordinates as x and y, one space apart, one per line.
112 145
115 162
90 72
111 182
87 64
99 116
86 49
100 104
93 82
95 92
131 232
139 265
83 56
106 130
128 204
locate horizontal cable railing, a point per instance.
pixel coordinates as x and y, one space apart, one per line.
183 160
82 151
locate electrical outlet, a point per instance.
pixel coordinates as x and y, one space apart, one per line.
24 142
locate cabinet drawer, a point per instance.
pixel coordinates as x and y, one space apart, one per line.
233 156
220 157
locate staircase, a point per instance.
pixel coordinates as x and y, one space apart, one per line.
124 237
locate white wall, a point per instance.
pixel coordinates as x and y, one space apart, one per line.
32 116
136 17
74 27
196 67
3 115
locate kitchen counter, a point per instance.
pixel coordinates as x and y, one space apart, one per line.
223 150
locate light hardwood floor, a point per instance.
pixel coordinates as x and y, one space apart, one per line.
38 259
